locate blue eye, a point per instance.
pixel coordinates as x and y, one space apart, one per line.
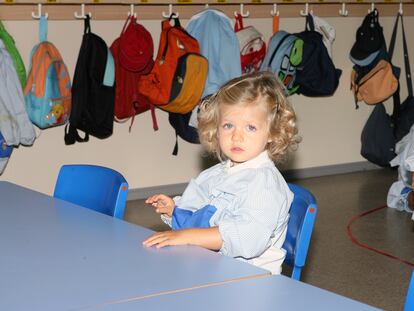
227 126
251 128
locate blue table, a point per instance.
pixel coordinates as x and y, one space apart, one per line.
258 294
55 255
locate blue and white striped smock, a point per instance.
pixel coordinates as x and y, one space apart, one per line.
250 205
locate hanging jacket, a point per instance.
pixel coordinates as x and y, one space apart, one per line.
15 125
14 53
219 44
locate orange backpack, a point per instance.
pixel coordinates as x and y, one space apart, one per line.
177 79
48 88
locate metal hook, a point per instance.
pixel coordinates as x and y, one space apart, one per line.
39 12
206 6
400 10
343 11
82 15
274 12
170 9
306 12
131 11
242 11
372 7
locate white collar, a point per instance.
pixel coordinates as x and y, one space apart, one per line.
256 162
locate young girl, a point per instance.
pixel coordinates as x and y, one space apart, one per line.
239 206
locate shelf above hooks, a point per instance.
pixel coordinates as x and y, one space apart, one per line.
153 9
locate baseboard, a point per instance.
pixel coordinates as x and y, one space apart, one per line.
329 170
173 189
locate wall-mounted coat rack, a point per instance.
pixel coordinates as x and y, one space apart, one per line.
153 9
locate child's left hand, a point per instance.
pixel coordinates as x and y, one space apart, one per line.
205 237
165 238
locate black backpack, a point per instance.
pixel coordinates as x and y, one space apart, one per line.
92 100
317 75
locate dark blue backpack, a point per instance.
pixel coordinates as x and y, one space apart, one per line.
317 75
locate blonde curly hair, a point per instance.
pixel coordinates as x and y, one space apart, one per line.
262 88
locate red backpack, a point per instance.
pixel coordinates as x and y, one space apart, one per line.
252 46
132 53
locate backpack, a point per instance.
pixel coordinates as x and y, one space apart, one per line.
93 90
14 53
317 75
219 44
376 82
170 85
47 92
369 40
252 46
283 57
132 59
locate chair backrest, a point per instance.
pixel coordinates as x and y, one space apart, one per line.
95 187
409 302
300 226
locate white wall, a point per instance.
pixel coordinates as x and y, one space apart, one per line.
330 127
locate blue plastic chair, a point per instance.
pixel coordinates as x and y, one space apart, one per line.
95 187
409 302
300 226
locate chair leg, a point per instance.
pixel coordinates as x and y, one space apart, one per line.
296 273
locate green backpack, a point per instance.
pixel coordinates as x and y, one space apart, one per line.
14 54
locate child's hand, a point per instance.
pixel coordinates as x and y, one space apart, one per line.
161 239
163 204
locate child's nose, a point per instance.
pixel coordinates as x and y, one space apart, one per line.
237 135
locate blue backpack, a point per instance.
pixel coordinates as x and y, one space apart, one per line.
48 89
283 57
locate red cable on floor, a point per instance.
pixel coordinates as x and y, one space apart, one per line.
357 242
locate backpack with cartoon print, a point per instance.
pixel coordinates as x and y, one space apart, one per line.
48 89
283 57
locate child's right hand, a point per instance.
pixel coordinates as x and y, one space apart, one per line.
163 204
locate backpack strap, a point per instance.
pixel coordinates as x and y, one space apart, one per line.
238 25
72 136
176 19
87 24
393 37
406 61
130 19
275 23
175 150
43 28
309 24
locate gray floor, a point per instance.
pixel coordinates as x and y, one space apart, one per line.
334 262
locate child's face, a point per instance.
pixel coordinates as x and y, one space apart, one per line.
243 131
